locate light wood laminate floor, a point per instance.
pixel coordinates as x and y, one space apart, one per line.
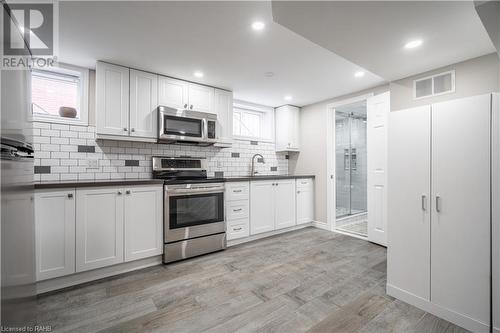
309 280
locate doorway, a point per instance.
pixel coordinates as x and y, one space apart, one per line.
351 168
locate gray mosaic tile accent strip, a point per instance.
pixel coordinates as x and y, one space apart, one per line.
274 168
219 174
260 160
235 154
131 162
254 143
42 169
86 149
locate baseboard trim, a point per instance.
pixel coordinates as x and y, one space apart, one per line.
321 225
451 316
95 274
267 234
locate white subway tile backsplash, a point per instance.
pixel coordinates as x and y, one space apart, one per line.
59 149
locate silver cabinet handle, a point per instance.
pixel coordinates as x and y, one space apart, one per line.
237 229
125 129
236 191
127 192
438 203
237 210
424 200
70 195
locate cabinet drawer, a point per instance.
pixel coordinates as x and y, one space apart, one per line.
237 191
238 229
236 210
304 182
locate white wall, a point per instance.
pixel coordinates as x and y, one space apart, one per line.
312 158
472 77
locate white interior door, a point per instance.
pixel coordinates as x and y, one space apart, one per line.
408 199
378 108
460 228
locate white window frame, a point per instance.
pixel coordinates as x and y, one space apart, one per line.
431 77
266 115
83 74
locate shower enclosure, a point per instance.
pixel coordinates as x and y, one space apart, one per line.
351 168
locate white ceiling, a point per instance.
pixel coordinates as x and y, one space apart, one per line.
372 34
176 39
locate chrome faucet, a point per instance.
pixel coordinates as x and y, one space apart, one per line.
253 172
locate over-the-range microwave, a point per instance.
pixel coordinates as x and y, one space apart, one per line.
185 126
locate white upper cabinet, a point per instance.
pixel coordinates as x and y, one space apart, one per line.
224 111
143 222
287 128
143 104
99 228
201 98
172 93
55 233
112 99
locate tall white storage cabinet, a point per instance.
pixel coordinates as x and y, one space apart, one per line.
439 209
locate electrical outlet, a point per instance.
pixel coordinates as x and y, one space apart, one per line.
92 164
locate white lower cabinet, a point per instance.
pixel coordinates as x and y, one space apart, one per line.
143 222
99 228
305 200
272 205
237 210
55 233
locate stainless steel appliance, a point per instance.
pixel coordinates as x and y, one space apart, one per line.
185 126
193 217
17 212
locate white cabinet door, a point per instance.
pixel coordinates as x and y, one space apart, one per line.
287 128
99 228
305 201
378 108
460 229
143 104
409 205
262 210
55 233
112 99
284 203
143 222
172 93
224 111
201 98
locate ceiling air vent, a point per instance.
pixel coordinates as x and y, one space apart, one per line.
435 85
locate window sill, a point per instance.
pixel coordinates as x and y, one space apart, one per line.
53 120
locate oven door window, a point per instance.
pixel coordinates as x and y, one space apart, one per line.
183 126
191 210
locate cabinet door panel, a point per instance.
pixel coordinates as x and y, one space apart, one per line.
143 222
261 207
284 203
112 99
99 228
55 233
201 98
460 229
143 104
305 201
172 93
408 250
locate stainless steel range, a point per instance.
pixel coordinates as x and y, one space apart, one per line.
193 217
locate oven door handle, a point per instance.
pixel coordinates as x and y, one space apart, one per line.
193 191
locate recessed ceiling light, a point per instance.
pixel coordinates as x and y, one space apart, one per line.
258 25
413 44
198 74
359 74
288 98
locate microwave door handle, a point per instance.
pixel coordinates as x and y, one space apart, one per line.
204 129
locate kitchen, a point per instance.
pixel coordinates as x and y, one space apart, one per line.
208 188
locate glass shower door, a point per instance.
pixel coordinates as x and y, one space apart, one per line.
342 167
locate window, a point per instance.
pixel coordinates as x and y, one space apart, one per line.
435 85
253 121
64 86
247 123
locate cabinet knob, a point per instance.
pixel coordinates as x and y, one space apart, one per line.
119 192
70 195
127 191
298 191
185 106
191 107
125 129
132 130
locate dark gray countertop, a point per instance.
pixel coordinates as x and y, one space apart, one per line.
265 177
91 183
131 182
